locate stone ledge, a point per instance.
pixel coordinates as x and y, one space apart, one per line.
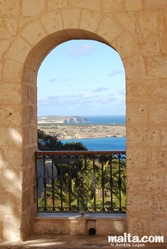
77 224
116 216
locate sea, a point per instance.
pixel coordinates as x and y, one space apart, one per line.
103 144
117 119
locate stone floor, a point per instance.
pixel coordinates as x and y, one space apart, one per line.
72 241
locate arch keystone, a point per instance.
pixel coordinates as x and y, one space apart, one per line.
71 18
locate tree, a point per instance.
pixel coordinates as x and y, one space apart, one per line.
74 146
47 142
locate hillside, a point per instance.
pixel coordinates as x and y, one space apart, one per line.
68 131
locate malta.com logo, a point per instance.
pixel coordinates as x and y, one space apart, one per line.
133 241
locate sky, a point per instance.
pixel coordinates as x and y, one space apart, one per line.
81 78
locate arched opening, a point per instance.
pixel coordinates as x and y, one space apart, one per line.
84 79
30 41
78 82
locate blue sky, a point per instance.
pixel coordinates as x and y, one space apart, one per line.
81 77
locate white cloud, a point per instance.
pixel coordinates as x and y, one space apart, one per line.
59 80
115 72
100 89
85 49
68 79
53 80
122 91
76 104
107 100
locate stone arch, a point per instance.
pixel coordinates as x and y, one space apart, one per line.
23 58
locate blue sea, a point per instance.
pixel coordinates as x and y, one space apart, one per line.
101 144
117 119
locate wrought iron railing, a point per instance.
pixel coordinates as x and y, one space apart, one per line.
81 181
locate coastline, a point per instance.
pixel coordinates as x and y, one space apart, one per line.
86 131
101 144
90 137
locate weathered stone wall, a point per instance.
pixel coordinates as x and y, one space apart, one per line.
29 30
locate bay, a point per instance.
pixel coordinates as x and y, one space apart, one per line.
107 119
101 144
106 143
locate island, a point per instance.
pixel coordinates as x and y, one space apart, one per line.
74 127
62 120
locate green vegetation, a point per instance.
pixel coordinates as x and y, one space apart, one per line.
89 183
86 189
51 143
68 131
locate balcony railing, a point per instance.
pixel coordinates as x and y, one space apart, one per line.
81 181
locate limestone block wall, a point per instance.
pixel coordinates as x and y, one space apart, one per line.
29 30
